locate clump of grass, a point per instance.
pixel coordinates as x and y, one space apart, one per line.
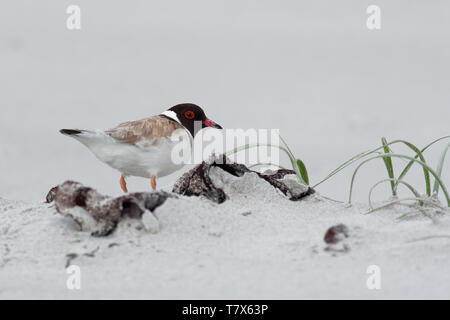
429 199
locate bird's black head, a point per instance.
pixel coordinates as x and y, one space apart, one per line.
187 114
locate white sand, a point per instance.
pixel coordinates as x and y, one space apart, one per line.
258 244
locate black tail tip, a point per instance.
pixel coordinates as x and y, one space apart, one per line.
69 132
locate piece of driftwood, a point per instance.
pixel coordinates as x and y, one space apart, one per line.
197 182
98 213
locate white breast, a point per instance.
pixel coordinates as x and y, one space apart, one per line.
141 159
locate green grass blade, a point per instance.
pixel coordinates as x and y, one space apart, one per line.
345 164
439 168
433 142
297 170
430 237
266 164
422 158
408 166
388 163
303 172
331 199
287 147
297 164
407 214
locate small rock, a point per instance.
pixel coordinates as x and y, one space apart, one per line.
335 237
336 233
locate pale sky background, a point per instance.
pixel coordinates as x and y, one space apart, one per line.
311 69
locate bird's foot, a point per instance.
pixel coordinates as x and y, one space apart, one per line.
123 184
153 182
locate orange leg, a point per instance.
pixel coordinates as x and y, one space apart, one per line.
153 182
123 184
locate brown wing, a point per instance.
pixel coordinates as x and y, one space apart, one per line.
144 131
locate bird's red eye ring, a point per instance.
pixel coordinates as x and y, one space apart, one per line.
189 115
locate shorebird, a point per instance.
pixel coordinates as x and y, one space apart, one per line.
143 148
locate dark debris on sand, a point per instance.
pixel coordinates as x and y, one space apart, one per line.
197 182
73 200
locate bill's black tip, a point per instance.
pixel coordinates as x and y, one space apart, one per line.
69 132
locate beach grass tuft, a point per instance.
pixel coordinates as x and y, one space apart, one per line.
420 201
